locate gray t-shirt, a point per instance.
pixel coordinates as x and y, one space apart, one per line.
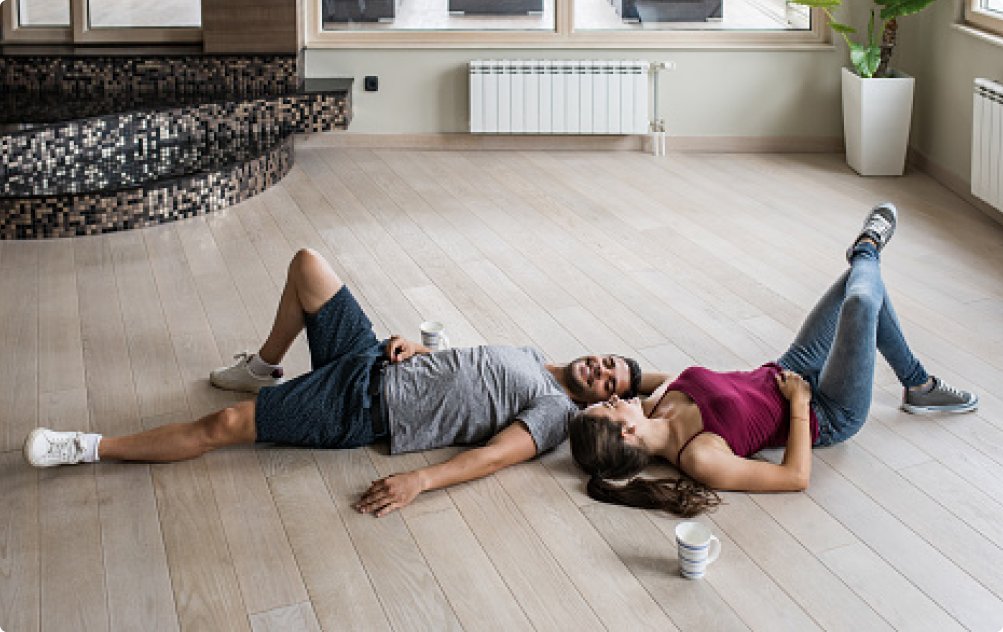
466 396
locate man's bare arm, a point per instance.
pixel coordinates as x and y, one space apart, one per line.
651 380
510 446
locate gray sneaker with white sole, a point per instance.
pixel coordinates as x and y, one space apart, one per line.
879 226
942 398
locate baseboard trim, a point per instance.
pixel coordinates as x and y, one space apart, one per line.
959 185
559 142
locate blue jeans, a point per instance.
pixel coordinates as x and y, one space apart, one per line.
836 348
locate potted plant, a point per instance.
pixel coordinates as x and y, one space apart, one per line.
877 100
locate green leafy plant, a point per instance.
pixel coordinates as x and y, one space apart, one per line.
871 58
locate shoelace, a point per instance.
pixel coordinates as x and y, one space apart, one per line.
243 356
879 225
66 448
944 387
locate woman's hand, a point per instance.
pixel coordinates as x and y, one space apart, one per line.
400 349
793 387
390 493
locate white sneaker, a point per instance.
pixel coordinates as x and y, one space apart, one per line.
240 378
46 448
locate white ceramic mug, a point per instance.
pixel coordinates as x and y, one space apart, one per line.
433 335
697 547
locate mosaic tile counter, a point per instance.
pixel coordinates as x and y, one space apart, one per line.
97 144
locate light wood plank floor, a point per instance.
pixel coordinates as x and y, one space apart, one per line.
690 259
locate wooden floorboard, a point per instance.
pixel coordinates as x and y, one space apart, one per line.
408 590
469 580
706 259
20 566
18 342
341 593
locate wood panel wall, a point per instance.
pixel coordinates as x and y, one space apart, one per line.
252 26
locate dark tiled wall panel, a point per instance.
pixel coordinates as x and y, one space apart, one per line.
166 201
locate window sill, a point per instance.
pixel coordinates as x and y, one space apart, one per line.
980 33
681 40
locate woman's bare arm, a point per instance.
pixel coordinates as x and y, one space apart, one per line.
719 468
713 464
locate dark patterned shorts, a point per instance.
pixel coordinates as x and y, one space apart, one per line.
333 405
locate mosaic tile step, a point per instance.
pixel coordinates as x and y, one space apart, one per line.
20 110
157 203
158 75
131 165
98 143
131 149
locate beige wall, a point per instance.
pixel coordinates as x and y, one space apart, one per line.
945 62
771 94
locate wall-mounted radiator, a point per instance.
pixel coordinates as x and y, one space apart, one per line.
987 142
559 97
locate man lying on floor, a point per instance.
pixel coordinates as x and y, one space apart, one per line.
362 390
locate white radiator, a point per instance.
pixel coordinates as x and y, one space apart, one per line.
987 142
559 97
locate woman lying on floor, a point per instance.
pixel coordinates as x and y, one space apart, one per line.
707 423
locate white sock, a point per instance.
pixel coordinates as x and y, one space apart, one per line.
90 442
259 367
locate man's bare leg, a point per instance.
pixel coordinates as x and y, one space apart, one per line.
173 442
180 441
310 283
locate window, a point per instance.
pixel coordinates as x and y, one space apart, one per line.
144 13
44 12
438 15
560 23
985 14
445 23
102 21
690 15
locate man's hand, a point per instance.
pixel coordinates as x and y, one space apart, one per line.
390 493
400 349
512 445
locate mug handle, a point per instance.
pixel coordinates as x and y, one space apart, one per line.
443 341
714 550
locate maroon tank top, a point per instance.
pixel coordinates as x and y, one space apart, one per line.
745 408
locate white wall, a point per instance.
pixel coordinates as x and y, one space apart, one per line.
711 93
945 62
772 94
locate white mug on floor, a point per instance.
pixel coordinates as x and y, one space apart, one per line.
433 335
697 547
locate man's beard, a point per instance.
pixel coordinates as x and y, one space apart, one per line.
576 388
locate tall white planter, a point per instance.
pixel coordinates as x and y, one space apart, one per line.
876 117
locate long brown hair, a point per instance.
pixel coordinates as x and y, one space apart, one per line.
598 447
